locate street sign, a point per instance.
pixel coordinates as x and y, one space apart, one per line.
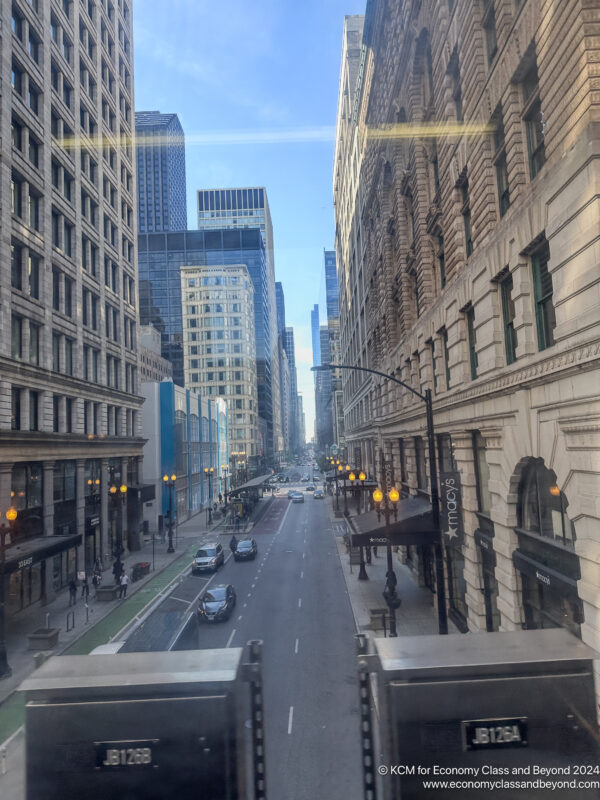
451 506
334 449
395 538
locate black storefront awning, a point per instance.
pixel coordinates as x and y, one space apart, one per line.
545 575
255 483
31 551
413 526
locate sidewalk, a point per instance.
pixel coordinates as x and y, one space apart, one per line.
417 614
104 620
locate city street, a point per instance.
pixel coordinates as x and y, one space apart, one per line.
293 597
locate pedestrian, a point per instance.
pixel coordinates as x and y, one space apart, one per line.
96 581
233 544
220 498
124 583
368 552
85 588
375 552
72 592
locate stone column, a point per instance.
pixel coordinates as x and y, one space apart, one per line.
80 512
48 593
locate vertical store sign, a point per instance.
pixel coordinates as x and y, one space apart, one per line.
451 497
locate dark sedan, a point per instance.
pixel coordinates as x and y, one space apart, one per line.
217 604
246 550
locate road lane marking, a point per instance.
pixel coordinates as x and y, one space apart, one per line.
239 618
249 594
290 720
303 555
230 638
252 587
296 647
301 574
299 602
245 605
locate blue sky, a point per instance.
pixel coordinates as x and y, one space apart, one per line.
255 87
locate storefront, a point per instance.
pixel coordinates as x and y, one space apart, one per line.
545 558
27 563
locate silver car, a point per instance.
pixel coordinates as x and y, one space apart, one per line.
208 558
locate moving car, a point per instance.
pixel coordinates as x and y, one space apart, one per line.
305 478
217 603
246 550
297 497
291 493
208 558
310 488
318 495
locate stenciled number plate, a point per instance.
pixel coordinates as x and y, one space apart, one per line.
490 734
129 754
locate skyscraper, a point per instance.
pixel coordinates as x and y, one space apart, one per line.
246 208
69 399
285 397
288 343
332 294
219 346
160 257
323 395
280 306
316 336
160 156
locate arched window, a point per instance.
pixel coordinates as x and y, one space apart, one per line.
542 507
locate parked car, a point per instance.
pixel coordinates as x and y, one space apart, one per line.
217 603
297 497
246 550
208 558
318 495
291 493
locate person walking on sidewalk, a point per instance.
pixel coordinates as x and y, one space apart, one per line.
96 581
85 590
124 584
233 542
72 592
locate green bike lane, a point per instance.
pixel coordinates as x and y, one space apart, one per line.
12 710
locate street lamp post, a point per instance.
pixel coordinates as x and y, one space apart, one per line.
362 572
389 592
5 530
208 471
169 482
118 494
337 488
346 472
435 498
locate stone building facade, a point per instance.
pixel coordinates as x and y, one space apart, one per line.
467 217
69 404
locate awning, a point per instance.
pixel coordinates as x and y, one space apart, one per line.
30 551
545 575
255 483
413 526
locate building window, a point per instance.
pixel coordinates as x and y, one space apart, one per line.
16 256
445 453
542 507
444 335
482 475
534 121
472 341
15 410
441 260
489 27
508 318
542 289
466 214
454 73
16 337
34 400
33 274
420 464
34 343
500 162
433 365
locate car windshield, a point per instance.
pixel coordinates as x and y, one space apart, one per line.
215 595
346 244
206 552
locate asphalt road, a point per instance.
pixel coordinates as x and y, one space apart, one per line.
293 597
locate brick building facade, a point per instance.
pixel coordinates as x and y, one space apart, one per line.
467 217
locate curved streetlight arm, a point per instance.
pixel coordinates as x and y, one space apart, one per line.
330 367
